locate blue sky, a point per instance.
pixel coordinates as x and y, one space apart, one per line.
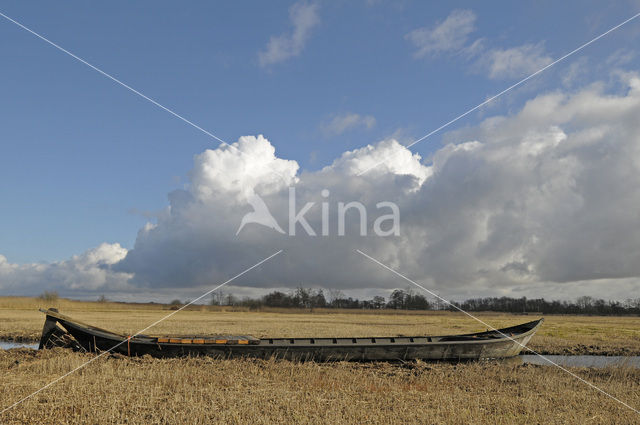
84 160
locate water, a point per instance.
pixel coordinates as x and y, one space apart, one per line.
583 361
5 345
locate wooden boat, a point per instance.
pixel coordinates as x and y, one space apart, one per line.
60 330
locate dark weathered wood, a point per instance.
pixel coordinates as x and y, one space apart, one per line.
505 342
49 328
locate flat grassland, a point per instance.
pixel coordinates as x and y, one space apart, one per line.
115 389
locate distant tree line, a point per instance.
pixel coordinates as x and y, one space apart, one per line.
399 299
582 305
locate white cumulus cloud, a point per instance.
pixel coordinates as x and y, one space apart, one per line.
545 197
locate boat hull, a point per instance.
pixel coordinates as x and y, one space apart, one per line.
506 342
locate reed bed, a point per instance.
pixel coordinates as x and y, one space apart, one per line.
116 389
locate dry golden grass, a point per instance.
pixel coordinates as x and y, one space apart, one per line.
116 389
20 320
203 391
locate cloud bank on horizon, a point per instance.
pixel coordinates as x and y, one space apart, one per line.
539 203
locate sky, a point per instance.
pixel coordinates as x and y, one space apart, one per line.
534 194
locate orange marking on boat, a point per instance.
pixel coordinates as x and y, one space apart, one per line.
221 341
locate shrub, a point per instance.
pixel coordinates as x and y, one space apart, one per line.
49 296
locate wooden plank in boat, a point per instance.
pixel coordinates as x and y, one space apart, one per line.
226 339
